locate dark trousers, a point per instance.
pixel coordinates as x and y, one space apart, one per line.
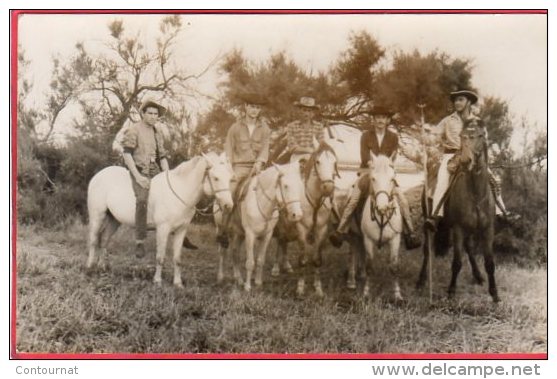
141 198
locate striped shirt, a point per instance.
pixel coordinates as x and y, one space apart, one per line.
300 136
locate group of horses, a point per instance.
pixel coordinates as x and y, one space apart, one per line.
292 202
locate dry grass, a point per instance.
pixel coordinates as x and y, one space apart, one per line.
61 309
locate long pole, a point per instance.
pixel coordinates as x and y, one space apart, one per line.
428 234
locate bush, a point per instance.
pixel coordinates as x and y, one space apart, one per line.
525 193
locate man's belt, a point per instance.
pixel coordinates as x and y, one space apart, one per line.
450 151
243 164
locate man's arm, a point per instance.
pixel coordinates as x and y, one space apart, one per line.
130 164
263 155
229 143
364 150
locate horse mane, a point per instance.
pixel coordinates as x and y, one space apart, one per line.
323 146
186 167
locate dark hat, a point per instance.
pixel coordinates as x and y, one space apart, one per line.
380 109
471 95
253 98
307 102
152 103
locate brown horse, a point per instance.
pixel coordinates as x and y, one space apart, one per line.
469 212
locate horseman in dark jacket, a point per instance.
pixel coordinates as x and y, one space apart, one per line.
379 140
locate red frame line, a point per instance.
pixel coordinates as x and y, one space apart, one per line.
14 14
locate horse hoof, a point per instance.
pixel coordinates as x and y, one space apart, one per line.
478 281
496 299
220 279
258 283
179 285
289 269
275 272
351 285
319 293
247 288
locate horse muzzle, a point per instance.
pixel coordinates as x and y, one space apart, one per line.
327 188
225 200
294 211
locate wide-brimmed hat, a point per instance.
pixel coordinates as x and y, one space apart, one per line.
307 102
252 98
470 95
152 103
378 109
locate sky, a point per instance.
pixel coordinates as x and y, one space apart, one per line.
509 52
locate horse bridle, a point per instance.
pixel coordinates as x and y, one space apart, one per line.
382 219
283 203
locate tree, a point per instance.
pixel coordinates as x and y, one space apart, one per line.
415 79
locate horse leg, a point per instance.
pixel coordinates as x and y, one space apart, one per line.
222 256
394 267
458 242
354 263
96 222
235 255
286 266
318 259
177 243
303 262
261 256
110 226
162 238
250 260
471 249
489 263
423 272
369 246
279 254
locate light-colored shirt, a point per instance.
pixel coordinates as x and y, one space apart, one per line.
449 130
241 146
145 145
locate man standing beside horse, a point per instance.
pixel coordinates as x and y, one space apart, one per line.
145 156
379 140
449 130
247 148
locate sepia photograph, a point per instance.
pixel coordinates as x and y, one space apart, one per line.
319 184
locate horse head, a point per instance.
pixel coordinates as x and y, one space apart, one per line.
382 182
289 189
473 145
216 181
323 162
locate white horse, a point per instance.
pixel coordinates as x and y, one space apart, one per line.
256 215
381 222
319 174
173 195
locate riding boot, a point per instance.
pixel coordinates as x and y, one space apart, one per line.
432 222
411 239
338 236
501 211
188 244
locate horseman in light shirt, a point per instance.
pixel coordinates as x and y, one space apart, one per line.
247 148
449 130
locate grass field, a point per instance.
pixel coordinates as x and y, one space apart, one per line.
61 309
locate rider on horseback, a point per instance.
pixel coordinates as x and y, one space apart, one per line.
247 148
381 141
300 133
449 130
